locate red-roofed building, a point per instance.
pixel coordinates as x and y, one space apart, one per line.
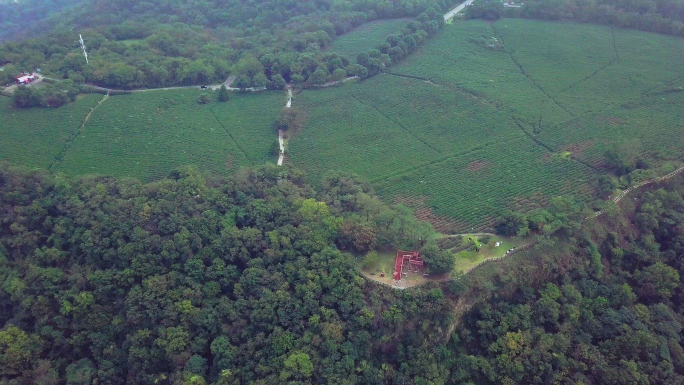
404 259
25 79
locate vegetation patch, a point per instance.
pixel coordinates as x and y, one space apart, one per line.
36 137
367 36
146 135
539 119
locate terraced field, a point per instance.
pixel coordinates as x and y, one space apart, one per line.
146 135
490 117
366 36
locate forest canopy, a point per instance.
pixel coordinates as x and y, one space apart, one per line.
253 279
135 44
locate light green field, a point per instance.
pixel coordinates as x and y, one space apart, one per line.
468 258
385 264
146 135
36 137
366 37
464 130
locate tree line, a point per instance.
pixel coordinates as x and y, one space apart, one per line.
661 16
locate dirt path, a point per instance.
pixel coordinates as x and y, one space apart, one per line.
281 141
457 9
623 194
213 87
470 235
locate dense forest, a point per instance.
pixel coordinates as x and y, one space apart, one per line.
198 280
135 44
186 281
661 16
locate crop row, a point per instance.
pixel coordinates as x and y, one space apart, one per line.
146 135
36 137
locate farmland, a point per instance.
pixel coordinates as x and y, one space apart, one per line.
36 137
146 135
490 117
366 36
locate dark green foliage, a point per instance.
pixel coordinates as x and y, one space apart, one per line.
25 97
438 261
486 9
222 281
223 95
606 185
592 324
54 95
290 119
159 43
204 98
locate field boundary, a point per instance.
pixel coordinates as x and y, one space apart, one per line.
231 137
612 61
528 76
395 122
60 155
441 159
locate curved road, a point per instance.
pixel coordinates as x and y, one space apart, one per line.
457 9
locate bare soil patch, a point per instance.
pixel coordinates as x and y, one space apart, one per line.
478 165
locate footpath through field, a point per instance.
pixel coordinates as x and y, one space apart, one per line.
281 142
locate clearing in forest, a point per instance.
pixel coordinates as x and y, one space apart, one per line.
366 37
490 117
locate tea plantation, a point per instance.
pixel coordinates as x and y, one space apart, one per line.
146 135
37 137
489 117
484 118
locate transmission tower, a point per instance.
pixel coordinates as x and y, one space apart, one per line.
80 38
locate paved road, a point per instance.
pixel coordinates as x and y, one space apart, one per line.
456 10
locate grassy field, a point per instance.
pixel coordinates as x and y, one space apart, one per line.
146 135
366 36
36 137
490 117
468 258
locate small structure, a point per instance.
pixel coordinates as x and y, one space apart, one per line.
407 258
512 4
25 78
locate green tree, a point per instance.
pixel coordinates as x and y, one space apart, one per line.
297 365
319 76
82 372
242 82
437 261
204 98
223 95
278 81
26 97
18 350
657 281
